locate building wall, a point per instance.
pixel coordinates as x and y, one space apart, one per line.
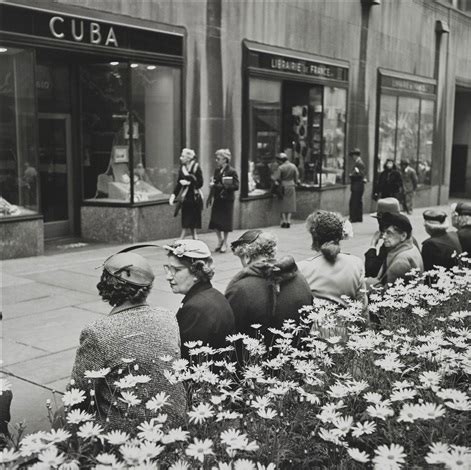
397 35
462 130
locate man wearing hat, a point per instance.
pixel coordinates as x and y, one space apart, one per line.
133 334
442 246
205 314
461 219
357 186
401 254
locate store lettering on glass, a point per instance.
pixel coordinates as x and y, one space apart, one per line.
407 85
82 31
301 67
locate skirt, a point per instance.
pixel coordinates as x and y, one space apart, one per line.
221 215
288 203
191 215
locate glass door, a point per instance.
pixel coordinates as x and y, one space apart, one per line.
55 170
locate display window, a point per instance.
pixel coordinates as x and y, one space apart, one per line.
405 125
19 177
130 141
305 118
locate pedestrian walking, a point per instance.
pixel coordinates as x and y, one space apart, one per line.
389 183
223 185
442 246
461 219
330 273
401 253
287 175
187 193
132 334
409 183
266 291
357 186
205 314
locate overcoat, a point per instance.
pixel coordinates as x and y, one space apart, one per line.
438 251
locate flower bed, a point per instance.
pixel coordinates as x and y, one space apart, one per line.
343 394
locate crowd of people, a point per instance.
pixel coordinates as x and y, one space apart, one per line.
266 291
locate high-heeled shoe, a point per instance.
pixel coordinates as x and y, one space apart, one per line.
223 249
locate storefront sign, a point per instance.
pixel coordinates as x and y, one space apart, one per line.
89 32
82 31
405 84
298 66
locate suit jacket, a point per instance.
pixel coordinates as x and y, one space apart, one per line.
142 334
464 234
221 191
205 315
438 251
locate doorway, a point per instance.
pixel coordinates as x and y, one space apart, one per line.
56 174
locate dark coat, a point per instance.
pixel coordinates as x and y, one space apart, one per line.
464 234
143 334
267 292
438 251
389 184
195 177
205 315
218 190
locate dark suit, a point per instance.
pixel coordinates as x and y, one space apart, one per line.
464 234
438 251
205 315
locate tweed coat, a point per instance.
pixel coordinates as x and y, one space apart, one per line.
140 333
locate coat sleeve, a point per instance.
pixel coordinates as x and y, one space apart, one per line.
235 181
373 263
198 178
427 256
89 356
178 186
397 270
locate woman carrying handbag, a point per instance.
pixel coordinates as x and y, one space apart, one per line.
187 194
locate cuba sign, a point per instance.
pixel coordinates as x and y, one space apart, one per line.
81 30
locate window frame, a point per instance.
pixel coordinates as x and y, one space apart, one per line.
384 90
253 72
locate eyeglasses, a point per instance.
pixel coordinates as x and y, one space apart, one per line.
173 270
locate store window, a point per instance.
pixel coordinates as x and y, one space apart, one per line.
306 121
405 133
130 141
18 158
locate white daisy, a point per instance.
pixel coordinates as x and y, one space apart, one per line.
358 455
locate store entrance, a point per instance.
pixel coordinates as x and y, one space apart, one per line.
55 170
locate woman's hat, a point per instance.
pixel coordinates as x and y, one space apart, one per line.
282 156
400 221
387 205
463 208
431 215
195 249
131 268
355 151
246 238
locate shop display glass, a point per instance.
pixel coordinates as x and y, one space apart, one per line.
144 128
335 109
18 158
265 133
406 132
156 119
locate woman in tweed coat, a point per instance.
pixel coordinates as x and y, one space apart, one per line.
128 344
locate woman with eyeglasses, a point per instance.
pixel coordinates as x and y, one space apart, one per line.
125 346
205 314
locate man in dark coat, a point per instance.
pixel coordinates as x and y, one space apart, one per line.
442 246
461 218
266 291
389 183
357 186
205 314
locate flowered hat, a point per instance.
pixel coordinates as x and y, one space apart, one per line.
195 249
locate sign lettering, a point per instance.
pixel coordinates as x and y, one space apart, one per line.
298 66
76 29
405 84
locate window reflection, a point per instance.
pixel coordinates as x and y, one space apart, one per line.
387 130
424 162
18 158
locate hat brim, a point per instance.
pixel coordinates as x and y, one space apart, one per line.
186 254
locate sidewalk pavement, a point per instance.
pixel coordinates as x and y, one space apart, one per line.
47 300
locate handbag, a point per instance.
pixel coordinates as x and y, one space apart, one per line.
179 201
277 189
